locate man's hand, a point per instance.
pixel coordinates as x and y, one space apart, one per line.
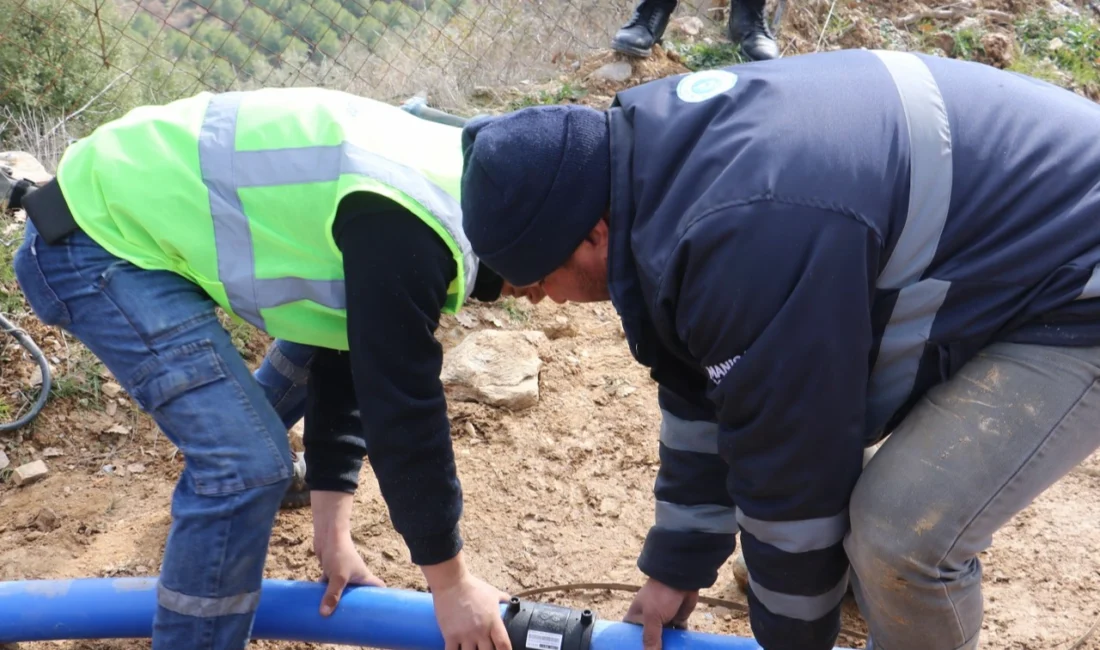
466 607
657 605
341 564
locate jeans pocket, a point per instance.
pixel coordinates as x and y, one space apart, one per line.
203 408
47 306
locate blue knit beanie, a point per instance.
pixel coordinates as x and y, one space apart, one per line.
535 182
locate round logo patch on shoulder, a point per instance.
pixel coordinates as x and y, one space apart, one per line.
701 86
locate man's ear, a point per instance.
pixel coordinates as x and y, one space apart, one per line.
598 235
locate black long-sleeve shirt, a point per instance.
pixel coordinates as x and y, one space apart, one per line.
383 398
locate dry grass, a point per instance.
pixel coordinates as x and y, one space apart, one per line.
32 131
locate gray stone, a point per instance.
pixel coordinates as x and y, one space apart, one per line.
22 165
559 328
29 473
498 368
618 71
688 26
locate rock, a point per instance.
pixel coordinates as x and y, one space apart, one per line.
945 41
466 318
36 376
111 389
609 507
4 462
23 165
498 368
135 468
617 71
741 573
29 473
688 26
1061 11
624 390
998 49
52 452
559 328
46 520
969 24
1055 44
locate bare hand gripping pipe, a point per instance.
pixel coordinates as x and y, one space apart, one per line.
393 619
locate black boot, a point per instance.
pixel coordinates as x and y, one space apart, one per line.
646 27
747 24
297 494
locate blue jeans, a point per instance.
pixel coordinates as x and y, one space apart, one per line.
284 375
159 335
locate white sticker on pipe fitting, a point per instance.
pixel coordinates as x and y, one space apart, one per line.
537 640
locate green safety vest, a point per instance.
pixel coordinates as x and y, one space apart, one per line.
238 193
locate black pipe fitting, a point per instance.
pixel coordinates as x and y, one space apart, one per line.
541 626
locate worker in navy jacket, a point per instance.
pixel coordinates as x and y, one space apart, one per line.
811 253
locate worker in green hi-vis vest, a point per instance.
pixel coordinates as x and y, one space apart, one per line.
326 220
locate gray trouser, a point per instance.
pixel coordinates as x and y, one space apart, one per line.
973 452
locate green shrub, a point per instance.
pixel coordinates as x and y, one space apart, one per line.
1071 42
47 61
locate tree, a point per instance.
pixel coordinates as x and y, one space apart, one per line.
330 45
314 27
143 26
254 23
369 31
228 10
43 63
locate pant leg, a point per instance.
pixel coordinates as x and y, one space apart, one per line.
973 452
159 335
284 378
284 375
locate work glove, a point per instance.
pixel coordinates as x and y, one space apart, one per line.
11 190
7 188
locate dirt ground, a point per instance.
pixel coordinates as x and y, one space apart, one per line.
559 493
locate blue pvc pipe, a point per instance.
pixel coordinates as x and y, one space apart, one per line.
115 608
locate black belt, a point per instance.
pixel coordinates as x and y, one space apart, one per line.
49 212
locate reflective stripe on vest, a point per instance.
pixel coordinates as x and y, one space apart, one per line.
225 171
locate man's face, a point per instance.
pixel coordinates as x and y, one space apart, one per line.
583 277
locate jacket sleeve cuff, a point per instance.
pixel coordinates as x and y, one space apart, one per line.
686 560
433 549
332 471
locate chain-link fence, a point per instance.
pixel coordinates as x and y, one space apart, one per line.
91 59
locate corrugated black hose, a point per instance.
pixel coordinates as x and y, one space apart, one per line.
11 192
44 394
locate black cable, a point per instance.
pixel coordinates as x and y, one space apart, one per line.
27 343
